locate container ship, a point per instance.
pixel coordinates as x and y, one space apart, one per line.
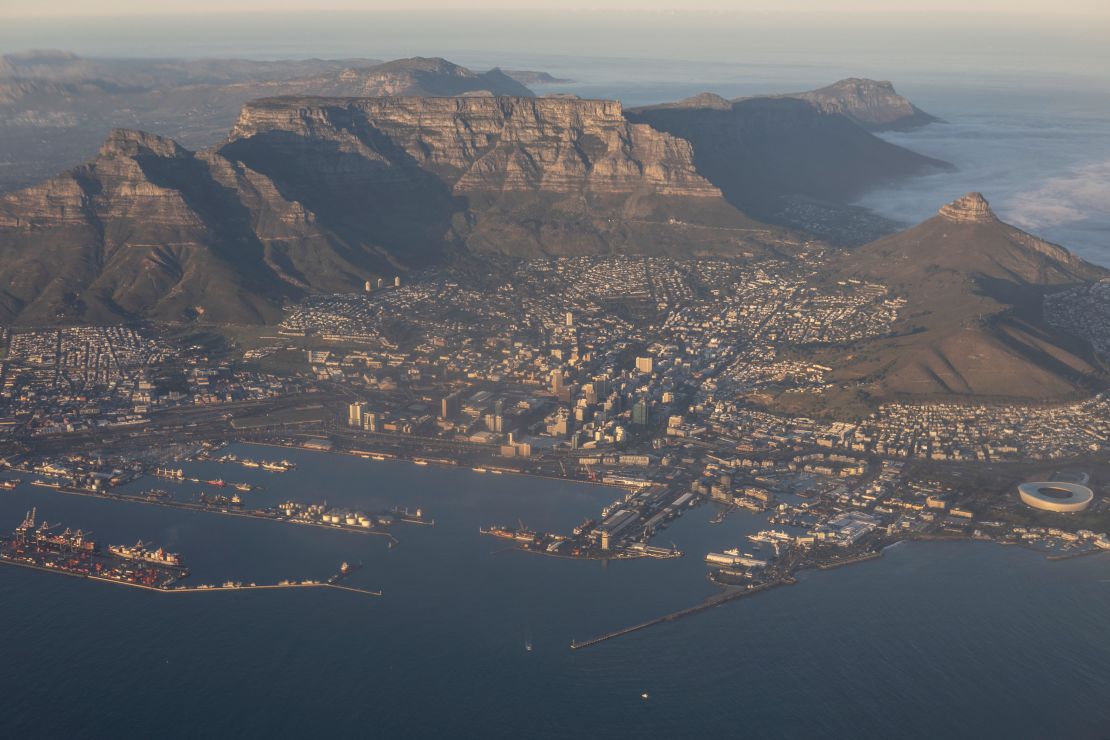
75 553
734 558
170 473
140 552
771 535
508 533
283 466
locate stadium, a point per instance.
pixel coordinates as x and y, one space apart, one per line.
1056 496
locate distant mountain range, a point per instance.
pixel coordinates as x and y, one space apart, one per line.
319 194
316 193
56 108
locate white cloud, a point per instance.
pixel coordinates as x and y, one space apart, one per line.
1081 195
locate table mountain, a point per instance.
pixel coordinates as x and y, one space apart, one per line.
319 194
56 108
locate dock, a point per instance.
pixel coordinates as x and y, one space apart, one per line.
709 603
226 511
190 589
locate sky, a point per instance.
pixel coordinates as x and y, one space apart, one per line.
72 8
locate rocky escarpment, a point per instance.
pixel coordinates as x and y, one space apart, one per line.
766 153
149 229
972 208
873 104
321 194
517 175
55 108
506 144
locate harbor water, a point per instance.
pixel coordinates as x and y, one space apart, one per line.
950 639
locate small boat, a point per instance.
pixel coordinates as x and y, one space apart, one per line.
644 695
527 646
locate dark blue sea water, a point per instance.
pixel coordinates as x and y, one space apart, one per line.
932 640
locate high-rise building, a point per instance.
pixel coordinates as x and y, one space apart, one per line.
368 286
645 365
354 414
557 380
450 405
640 413
495 422
370 421
397 282
570 318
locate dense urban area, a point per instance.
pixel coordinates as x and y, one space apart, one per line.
651 375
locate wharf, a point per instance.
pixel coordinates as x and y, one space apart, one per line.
689 611
189 506
188 589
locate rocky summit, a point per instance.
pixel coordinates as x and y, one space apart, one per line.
874 104
972 208
974 322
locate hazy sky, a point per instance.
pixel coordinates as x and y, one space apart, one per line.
53 8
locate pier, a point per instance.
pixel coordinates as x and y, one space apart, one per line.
188 589
688 611
226 511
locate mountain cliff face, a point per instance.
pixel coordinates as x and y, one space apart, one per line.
55 109
524 176
320 194
973 324
873 104
150 229
765 154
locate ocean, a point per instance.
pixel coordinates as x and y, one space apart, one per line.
933 639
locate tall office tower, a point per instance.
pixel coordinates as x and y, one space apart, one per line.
354 414
556 380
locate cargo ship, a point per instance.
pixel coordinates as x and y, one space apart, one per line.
734 558
508 533
74 553
283 466
217 482
584 527
771 535
140 552
170 473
